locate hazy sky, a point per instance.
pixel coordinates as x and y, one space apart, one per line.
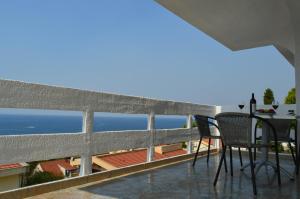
133 47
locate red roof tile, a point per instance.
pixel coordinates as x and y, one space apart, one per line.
10 166
136 157
53 166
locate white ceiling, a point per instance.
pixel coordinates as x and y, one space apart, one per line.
240 24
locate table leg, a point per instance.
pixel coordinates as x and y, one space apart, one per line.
264 140
264 155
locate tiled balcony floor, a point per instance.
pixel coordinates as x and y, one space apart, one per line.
184 181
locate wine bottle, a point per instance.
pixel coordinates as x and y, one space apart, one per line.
252 104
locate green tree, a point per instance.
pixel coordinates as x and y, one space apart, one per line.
42 177
31 167
194 124
291 97
268 96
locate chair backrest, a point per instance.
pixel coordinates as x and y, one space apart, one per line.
203 125
282 129
235 128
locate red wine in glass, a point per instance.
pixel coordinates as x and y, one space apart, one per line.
241 106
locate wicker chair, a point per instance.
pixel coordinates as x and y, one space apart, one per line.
283 129
203 125
236 131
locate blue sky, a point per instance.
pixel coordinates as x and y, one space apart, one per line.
131 47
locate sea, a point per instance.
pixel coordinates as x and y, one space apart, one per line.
47 124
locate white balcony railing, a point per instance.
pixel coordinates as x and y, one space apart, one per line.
27 148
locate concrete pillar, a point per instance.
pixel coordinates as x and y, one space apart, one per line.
151 129
294 6
297 82
217 142
87 128
189 125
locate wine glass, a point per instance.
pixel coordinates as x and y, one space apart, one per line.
241 105
275 104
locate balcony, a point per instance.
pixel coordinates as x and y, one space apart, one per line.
172 176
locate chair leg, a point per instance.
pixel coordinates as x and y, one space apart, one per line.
240 154
196 155
231 164
297 161
277 164
225 161
252 172
292 151
220 165
255 143
208 151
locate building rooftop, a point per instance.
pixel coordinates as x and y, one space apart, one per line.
53 166
11 166
124 159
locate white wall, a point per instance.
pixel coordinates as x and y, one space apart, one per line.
26 148
10 182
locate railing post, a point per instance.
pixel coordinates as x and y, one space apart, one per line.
189 125
87 128
217 142
151 129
